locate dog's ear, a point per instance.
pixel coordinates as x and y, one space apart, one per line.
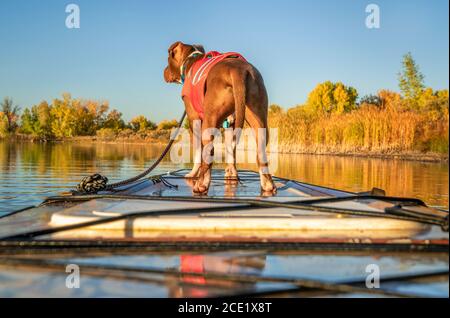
173 46
199 47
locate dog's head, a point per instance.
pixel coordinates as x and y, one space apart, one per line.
178 53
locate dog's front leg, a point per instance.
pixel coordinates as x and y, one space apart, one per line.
195 126
209 129
196 131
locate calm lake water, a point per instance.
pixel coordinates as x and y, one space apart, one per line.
29 172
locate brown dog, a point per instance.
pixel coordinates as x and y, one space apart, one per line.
234 86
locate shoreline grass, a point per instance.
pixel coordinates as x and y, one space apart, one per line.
283 148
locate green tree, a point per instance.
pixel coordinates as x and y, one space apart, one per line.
37 121
28 122
42 112
411 80
10 113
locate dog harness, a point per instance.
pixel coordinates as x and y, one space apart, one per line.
194 83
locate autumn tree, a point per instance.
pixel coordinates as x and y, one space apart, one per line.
3 125
89 116
434 101
140 123
76 117
43 113
390 100
275 109
69 117
63 117
114 121
10 115
37 121
168 124
371 100
331 97
411 80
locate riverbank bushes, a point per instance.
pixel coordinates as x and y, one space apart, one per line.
331 120
367 129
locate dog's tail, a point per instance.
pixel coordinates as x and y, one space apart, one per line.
239 78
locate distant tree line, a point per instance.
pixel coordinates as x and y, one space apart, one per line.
333 118
68 117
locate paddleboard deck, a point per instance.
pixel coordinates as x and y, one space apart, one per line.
162 208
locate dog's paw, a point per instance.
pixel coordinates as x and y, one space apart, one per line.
268 187
200 190
201 187
231 173
204 179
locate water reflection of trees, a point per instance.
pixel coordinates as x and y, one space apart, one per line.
66 158
428 181
8 157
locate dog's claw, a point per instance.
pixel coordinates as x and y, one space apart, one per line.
202 190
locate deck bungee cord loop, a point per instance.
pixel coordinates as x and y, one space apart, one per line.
308 205
96 182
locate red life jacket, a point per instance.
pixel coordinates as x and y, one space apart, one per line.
194 264
195 81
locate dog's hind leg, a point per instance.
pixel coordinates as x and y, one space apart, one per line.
259 126
196 130
195 126
231 173
256 112
238 79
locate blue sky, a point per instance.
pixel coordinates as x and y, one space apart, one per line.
120 50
